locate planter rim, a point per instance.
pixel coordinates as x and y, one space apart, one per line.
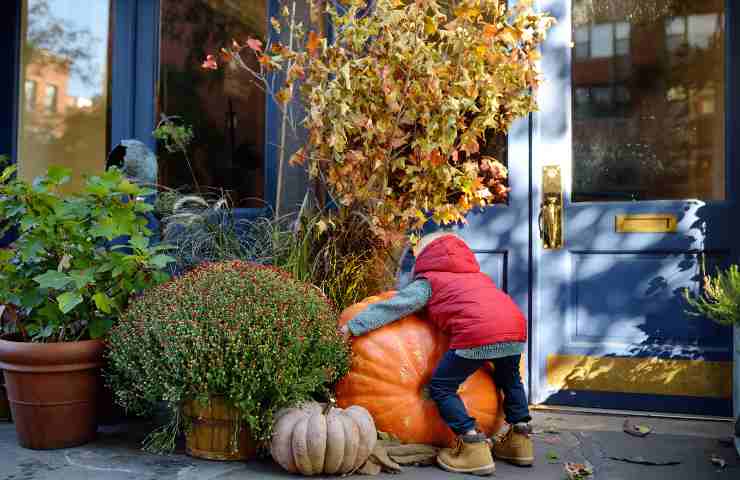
46 357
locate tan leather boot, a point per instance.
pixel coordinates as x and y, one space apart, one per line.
471 454
515 445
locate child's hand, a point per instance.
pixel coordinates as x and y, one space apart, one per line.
345 332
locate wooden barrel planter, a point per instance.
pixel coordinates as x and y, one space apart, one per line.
215 431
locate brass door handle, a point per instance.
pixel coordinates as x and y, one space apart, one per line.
550 220
550 223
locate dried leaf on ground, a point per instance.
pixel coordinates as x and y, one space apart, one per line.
636 430
719 461
578 471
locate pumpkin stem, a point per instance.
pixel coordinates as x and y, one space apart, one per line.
329 405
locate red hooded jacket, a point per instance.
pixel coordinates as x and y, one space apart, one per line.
465 302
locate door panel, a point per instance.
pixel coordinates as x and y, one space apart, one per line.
635 120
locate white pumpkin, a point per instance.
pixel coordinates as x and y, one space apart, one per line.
313 439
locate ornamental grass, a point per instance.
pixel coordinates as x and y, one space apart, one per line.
248 332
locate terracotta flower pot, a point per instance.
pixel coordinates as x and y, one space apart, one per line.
216 431
52 390
4 406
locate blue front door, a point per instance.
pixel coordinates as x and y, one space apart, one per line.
635 127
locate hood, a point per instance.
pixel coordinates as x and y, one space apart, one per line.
447 254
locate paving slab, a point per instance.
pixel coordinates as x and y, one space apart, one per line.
560 437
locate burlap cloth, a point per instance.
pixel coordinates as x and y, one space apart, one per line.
390 456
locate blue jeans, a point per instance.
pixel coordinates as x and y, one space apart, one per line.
453 370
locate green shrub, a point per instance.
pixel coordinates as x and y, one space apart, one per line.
248 332
64 275
721 299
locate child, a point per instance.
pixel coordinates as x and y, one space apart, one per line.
484 325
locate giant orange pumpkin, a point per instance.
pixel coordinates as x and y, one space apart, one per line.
391 368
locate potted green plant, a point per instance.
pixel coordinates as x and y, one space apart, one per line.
227 345
720 302
69 273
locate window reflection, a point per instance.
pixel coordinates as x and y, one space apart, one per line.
64 72
648 100
225 108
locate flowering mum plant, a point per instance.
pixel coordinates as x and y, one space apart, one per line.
399 105
250 333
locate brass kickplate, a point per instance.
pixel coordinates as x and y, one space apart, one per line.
646 223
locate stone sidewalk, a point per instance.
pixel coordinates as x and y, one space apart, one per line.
560 438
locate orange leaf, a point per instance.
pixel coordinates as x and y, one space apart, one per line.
436 158
489 31
313 43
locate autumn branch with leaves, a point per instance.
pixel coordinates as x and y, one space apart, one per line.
400 103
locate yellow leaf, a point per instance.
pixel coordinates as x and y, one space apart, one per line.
284 95
430 26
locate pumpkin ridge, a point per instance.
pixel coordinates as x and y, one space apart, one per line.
395 407
371 368
377 343
405 387
402 347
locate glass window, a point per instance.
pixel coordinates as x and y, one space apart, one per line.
30 90
602 40
654 127
225 107
581 42
64 61
702 30
622 38
50 99
675 33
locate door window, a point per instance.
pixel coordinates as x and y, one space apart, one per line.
64 72
648 100
225 107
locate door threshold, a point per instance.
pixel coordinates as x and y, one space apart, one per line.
628 413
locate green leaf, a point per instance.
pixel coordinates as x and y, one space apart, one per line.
68 300
31 250
127 187
31 298
58 175
28 222
82 278
103 302
7 173
99 327
104 228
143 207
161 261
53 279
139 242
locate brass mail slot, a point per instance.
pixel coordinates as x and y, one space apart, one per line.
646 223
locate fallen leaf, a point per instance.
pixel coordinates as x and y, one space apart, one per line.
636 430
552 457
719 461
578 471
